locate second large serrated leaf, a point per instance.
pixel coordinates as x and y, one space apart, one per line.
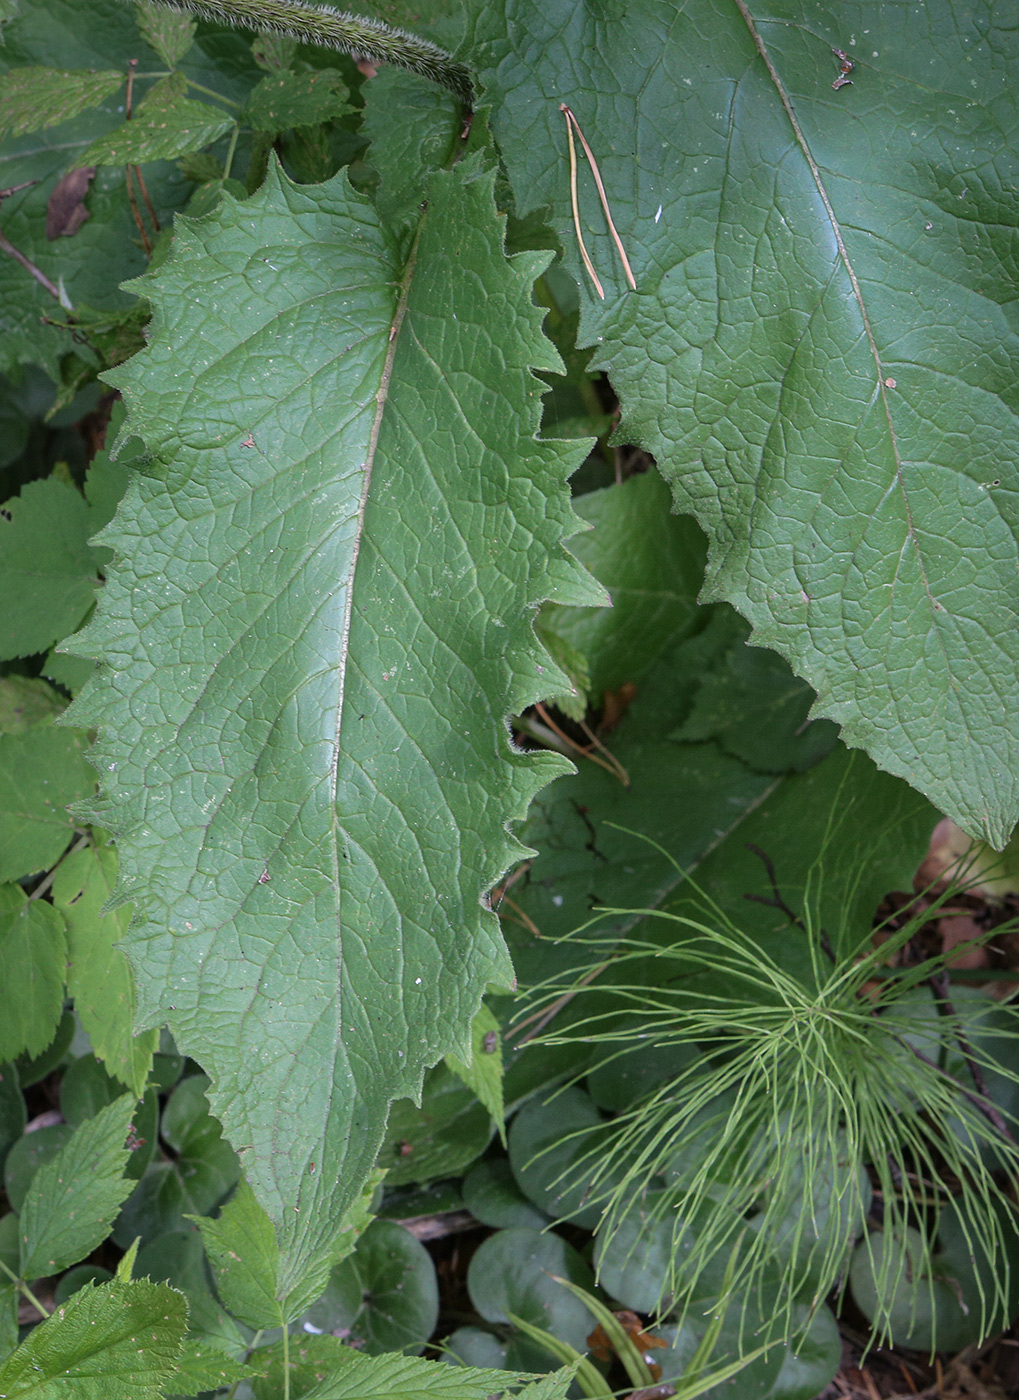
320 616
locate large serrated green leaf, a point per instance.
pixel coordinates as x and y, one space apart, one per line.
821 351
119 1341
73 1198
320 616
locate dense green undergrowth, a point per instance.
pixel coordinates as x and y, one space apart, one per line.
333 415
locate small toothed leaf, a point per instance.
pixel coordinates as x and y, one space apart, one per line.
165 125
168 32
73 1198
32 98
284 100
119 1341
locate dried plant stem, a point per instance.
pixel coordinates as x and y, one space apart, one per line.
575 125
570 123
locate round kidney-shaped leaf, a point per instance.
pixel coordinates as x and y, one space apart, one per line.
621 1080
492 1196
636 1261
27 1156
548 1144
895 1285
475 1347
515 1272
811 1362
383 1297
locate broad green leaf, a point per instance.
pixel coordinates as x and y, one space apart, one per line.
839 838
589 830
385 1296
449 1131
119 1341
871 830
819 350
33 956
86 1087
284 100
25 702
202 1368
493 1197
241 1246
652 563
45 563
273 52
546 1137
379 522
177 1257
31 98
483 1072
808 1370
753 705
242 1250
33 1068
473 1346
42 771
514 1271
73 1198
165 124
170 33
98 975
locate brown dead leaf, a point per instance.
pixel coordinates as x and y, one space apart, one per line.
616 704
962 928
65 211
602 1349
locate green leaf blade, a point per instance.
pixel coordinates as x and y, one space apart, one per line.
169 33
119 1341
42 771
33 97
378 636
241 1246
33 955
815 285
46 562
164 126
483 1072
73 1198
285 100
98 974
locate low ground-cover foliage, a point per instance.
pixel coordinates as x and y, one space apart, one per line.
324 609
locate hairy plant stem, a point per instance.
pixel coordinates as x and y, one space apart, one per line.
353 34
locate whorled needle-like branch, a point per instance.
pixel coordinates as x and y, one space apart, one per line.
354 34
